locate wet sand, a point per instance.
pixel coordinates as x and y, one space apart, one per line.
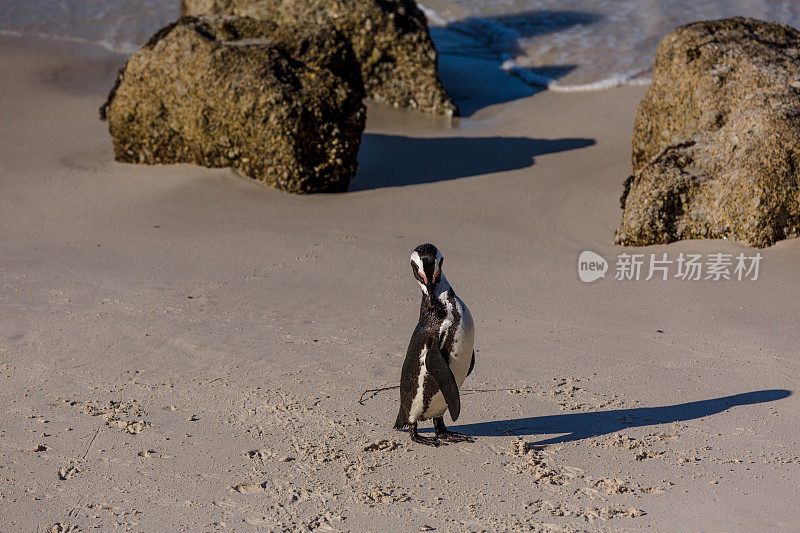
185 348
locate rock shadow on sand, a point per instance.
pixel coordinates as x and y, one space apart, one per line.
578 426
394 161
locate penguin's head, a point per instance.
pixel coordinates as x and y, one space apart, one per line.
426 264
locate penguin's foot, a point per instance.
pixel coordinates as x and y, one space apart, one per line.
446 435
451 436
416 437
428 441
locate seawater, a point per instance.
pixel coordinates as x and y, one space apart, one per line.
587 44
560 44
118 25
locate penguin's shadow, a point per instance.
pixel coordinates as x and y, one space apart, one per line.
394 160
577 426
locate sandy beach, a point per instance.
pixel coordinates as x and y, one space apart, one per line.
183 348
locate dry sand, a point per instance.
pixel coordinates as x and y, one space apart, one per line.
182 348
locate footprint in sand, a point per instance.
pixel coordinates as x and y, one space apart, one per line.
115 414
589 514
152 454
384 495
261 454
380 445
249 488
61 528
68 472
646 454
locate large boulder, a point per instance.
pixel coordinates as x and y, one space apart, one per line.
390 38
716 142
283 105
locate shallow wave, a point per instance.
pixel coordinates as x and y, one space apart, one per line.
506 43
538 80
117 25
584 45
126 48
564 45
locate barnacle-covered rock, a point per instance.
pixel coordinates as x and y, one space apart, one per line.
390 38
282 104
716 141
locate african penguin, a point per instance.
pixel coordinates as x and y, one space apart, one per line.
440 355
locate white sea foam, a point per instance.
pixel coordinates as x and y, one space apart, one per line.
538 80
433 17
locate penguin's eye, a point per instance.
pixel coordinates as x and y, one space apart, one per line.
436 276
422 275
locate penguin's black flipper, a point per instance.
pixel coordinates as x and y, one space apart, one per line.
471 363
440 370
